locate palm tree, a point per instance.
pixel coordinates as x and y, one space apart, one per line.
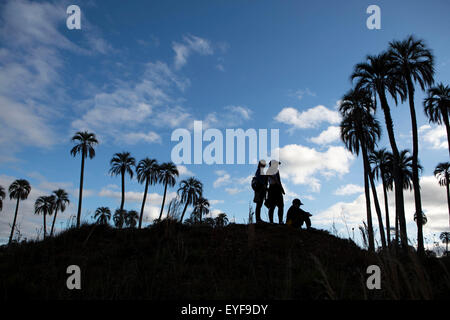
405 166
2 196
405 169
437 107
380 169
122 163
445 237
359 132
167 175
86 142
221 220
61 201
131 218
415 64
201 208
44 205
379 74
442 173
190 191
19 189
119 218
146 171
103 215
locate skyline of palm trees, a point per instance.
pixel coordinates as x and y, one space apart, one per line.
394 72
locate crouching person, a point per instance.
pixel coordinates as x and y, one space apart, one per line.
296 216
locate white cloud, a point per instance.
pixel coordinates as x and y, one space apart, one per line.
303 165
232 191
184 171
223 179
348 189
299 94
21 126
135 137
434 137
190 44
328 136
310 118
32 89
232 116
124 112
214 202
241 111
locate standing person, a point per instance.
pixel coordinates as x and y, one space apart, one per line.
259 185
276 191
296 217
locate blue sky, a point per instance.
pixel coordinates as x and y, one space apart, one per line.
138 70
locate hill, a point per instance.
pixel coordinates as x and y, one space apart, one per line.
174 261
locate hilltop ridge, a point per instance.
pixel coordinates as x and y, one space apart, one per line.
175 261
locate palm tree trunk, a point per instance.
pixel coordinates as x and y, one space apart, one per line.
45 225
386 208
447 126
143 204
164 200
184 210
399 201
415 169
80 197
122 202
396 229
53 223
378 210
368 208
14 222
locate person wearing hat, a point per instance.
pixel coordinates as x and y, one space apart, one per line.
259 185
296 216
275 192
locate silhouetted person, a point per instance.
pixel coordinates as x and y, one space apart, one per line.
296 216
275 193
259 185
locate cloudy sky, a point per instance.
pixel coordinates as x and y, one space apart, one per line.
137 71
